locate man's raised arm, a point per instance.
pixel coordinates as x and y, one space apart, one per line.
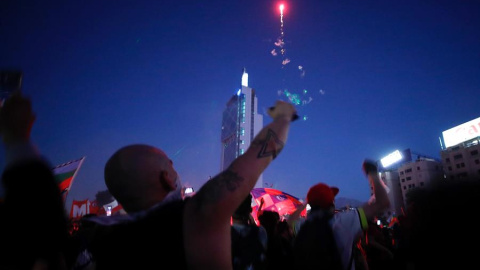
382 202
207 214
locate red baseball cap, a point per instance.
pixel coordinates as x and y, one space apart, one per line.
321 195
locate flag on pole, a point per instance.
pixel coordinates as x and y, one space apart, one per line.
65 173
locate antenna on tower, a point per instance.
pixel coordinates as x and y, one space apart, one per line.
245 77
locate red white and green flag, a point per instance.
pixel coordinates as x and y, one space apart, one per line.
65 173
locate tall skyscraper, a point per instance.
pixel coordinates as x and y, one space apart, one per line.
240 124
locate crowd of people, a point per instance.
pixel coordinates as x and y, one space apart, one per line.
214 229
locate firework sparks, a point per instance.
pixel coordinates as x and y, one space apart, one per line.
281 41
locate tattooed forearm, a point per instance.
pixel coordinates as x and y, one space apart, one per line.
214 188
271 146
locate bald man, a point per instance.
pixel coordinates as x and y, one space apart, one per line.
140 176
162 229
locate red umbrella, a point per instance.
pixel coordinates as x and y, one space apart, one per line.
275 200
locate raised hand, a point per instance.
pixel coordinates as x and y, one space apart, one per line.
369 166
283 108
16 119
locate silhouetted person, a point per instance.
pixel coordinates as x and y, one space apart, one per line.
249 241
279 248
33 222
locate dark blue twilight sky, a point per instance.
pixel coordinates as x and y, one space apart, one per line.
379 75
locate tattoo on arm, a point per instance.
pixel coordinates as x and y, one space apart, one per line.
271 146
215 188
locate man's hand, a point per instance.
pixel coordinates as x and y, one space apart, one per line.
283 109
16 119
369 166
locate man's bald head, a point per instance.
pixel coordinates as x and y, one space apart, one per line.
136 176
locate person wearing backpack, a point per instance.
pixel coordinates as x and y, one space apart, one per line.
326 239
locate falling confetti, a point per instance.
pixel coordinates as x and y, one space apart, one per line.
302 71
279 43
296 99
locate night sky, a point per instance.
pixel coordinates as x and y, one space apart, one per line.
378 75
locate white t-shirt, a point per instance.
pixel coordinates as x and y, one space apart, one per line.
347 227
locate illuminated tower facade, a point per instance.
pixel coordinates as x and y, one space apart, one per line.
240 124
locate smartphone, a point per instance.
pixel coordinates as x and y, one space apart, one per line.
10 81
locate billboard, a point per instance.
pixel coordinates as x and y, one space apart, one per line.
395 158
461 133
392 158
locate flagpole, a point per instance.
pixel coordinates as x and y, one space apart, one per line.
74 174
